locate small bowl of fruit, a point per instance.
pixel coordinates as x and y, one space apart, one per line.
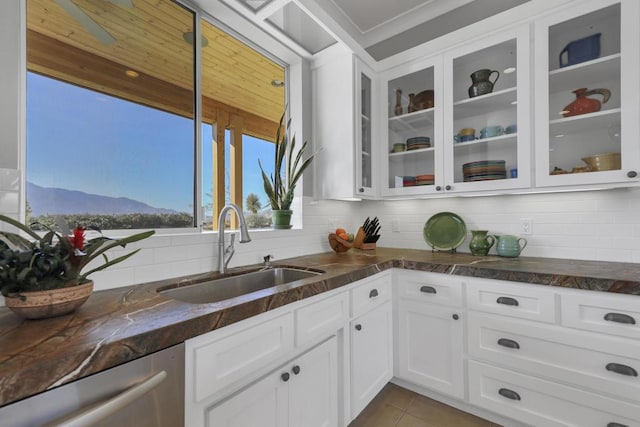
340 240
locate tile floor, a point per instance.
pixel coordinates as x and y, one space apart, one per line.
395 406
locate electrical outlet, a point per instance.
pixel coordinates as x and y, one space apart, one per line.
395 226
526 225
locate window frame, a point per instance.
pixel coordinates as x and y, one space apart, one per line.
237 26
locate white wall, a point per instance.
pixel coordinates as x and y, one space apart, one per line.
592 225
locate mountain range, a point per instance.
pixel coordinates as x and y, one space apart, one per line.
56 201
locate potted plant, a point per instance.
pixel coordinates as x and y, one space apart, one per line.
287 170
44 277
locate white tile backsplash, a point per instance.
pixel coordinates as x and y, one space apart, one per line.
593 225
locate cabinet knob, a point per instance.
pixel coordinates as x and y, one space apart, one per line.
622 369
620 318
373 293
509 394
438 188
358 327
632 174
295 370
285 376
455 317
448 187
361 190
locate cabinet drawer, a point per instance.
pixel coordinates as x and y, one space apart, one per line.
429 287
321 319
534 302
602 363
545 403
213 364
602 312
370 293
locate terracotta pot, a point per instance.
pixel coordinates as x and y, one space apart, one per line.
584 105
51 303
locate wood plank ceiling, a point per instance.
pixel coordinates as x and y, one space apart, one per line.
149 40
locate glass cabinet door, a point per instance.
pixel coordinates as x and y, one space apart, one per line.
589 114
413 142
365 136
486 128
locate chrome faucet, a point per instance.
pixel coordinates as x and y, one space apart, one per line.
225 254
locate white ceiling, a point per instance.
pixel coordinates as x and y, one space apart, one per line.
374 20
386 27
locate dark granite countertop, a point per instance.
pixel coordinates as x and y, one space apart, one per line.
119 325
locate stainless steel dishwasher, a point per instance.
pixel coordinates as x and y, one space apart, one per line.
146 392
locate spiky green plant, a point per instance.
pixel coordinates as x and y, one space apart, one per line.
278 187
55 259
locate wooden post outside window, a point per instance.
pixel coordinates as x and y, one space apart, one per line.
219 127
237 128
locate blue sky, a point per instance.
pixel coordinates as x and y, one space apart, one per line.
79 139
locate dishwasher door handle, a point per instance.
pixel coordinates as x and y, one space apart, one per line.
102 410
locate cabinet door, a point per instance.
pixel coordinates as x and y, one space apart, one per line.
587 87
413 139
264 404
430 347
486 123
371 356
366 158
313 393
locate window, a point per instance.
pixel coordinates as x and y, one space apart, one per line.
111 114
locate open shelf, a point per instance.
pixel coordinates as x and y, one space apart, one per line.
584 122
490 102
412 121
408 152
584 74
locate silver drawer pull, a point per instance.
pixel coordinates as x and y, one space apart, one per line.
509 394
428 290
373 293
622 369
97 413
616 425
620 318
507 301
505 342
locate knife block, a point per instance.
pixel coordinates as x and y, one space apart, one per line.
358 241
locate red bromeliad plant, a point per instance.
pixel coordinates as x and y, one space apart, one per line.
53 260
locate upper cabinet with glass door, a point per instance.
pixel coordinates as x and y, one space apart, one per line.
413 141
486 123
588 111
364 99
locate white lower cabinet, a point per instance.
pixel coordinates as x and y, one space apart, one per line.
430 347
371 355
301 392
545 403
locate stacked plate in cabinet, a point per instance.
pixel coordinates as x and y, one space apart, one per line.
427 179
418 142
484 170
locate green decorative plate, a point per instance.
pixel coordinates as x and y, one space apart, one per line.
445 231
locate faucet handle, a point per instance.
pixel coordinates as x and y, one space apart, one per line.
267 260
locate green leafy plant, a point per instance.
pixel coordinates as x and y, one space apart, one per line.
280 185
53 260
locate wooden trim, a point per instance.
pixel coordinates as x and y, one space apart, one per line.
220 127
236 126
